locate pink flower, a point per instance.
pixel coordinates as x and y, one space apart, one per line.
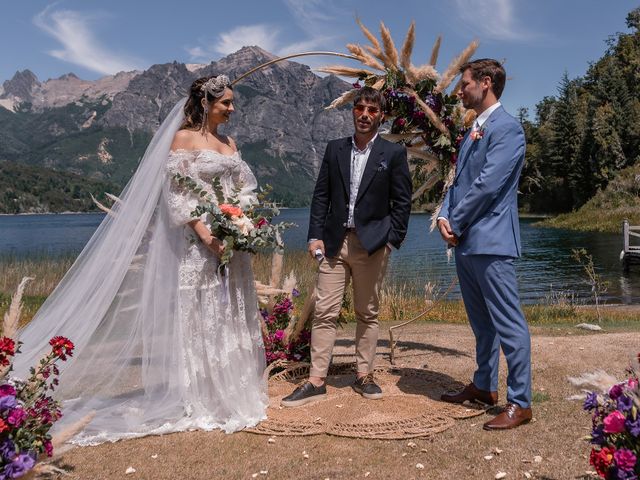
48 448
16 417
625 459
476 134
633 383
262 222
279 335
614 422
7 390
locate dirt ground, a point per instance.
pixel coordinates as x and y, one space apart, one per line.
551 447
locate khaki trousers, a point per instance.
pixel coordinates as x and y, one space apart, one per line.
354 264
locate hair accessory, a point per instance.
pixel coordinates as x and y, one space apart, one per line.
215 86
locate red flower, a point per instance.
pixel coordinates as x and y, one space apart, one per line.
7 345
601 460
3 426
262 222
230 210
61 347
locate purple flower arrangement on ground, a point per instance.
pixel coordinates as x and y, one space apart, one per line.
615 430
278 343
27 411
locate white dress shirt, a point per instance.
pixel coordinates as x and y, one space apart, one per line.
358 162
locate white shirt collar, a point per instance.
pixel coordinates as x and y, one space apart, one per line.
366 147
485 115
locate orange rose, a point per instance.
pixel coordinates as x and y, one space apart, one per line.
230 210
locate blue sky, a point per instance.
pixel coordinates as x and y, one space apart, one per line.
539 40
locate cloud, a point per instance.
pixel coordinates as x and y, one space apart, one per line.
494 19
80 47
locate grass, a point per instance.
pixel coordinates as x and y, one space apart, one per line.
398 302
621 201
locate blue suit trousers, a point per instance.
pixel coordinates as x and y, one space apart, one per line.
490 292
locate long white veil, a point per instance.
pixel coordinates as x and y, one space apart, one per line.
117 303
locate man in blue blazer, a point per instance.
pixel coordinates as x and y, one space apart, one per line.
479 217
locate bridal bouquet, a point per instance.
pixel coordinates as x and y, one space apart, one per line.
616 430
249 230
27 411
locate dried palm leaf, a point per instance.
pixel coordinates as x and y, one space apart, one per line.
407 46
417 152
12 315
364 57
389 48
346 97
435 51
454 67
394 137
379 83
428 185
427 110
346 71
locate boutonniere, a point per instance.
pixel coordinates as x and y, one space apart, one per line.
382 166
477 134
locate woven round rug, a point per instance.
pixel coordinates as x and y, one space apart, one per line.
410 407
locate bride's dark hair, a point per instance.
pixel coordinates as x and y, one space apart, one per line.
193 110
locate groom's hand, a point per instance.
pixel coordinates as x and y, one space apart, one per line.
446 232
313 246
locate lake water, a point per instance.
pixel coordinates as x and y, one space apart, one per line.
546 268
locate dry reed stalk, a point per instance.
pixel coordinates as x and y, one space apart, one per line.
407 46
390 51
447 183
290 282
364 57
346 97
102 207
426 72
12 316
599 380
375 50
276 269
305 315
435 51
427 110
60 439
346 71
454 67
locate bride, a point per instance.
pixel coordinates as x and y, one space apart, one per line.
163 342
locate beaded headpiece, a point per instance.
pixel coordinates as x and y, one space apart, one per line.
215 86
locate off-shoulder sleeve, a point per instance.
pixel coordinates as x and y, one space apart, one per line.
248 184
180 201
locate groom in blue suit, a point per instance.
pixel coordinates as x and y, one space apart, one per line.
479 217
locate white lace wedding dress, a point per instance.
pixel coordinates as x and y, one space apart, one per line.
223 353
163 342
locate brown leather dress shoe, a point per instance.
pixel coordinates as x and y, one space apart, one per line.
472 394
511 417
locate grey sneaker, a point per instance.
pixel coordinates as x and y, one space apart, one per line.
305 393
367 387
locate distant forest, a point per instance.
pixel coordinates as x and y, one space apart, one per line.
580 139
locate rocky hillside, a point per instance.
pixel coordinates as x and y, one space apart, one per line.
100 129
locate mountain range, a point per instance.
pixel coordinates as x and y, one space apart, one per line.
99 130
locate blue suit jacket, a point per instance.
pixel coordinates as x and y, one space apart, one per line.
482 203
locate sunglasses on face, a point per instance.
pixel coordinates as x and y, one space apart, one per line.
363 108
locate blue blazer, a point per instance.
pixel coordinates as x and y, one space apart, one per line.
482 203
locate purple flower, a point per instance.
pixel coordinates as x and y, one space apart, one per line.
591 401
597 435
624 403
633 426
615 391
7 402
20 465
295 292
625 459
7 449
